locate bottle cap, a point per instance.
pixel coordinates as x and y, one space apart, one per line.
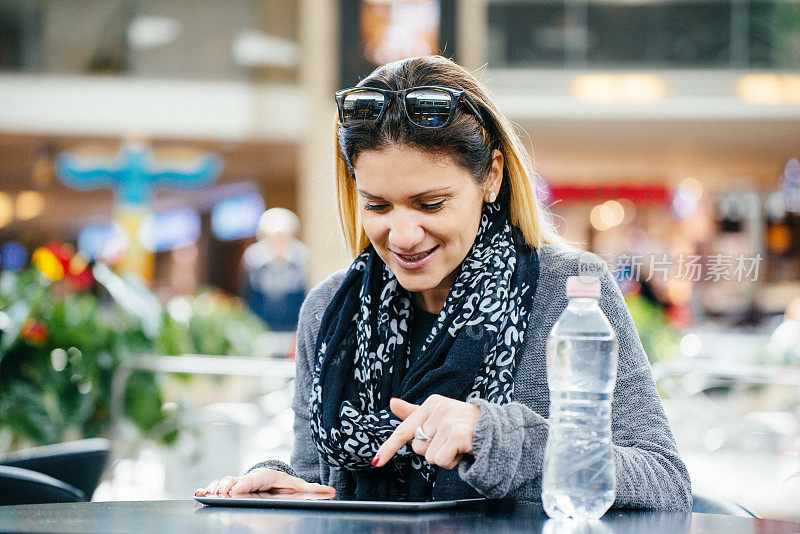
583 287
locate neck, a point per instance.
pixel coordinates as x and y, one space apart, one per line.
432 301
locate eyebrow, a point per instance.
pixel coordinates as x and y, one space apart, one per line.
414 196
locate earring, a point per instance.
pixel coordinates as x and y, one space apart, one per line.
492 197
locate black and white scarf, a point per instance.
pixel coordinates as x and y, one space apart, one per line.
363 350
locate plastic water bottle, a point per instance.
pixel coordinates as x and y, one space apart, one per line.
579 478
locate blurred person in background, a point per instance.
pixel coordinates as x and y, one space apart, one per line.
421 369
784 343
274 270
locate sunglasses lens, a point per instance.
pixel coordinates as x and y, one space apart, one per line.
429 108
362 105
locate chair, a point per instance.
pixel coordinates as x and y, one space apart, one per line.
706 504
23 486
64 472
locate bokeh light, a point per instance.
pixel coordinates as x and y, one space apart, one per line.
608 89
769 89
790 185
691 345
607 215
30 204
686 199
12 255
6 209
596 218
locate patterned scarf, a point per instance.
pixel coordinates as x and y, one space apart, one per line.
363 353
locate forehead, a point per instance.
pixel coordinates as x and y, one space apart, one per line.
404 171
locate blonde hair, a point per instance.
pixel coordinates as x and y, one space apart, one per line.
525 211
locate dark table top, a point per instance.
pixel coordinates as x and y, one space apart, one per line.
188 516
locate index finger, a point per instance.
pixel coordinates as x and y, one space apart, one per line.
401 435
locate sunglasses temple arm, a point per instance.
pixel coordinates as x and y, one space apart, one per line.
474 109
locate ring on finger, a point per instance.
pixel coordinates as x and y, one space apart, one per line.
421 435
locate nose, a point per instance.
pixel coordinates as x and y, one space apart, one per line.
405 232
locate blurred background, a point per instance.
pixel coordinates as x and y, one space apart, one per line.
141 299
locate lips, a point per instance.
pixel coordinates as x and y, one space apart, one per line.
416 257
414 261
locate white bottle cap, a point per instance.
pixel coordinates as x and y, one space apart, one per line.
583 287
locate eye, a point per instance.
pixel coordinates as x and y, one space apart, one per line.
432 207
374 207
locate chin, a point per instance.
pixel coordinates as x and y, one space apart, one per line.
415 287
414 283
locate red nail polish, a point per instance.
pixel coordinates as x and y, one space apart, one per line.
376 460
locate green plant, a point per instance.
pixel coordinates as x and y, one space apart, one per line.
659 339
63 336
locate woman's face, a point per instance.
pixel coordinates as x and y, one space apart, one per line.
421 212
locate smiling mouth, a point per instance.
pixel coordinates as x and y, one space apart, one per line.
417 257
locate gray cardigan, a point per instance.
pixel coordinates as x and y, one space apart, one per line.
510 439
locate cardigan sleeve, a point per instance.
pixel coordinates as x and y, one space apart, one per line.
509 439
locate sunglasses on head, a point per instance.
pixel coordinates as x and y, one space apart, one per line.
429 106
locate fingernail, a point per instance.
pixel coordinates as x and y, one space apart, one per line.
376 460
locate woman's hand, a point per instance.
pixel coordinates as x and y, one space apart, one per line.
263 479
449 423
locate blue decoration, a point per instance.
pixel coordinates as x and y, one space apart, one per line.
13 256
94 240
135 173
171 229
236 217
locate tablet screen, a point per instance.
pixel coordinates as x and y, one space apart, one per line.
317 501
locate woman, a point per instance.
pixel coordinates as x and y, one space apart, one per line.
441 320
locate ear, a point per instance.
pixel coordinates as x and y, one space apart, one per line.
495 178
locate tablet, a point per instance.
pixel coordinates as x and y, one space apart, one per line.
317 502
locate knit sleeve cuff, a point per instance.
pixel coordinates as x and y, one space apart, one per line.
500 439
275 465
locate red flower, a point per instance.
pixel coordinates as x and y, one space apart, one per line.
34 332
62 251
57 261
78 273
